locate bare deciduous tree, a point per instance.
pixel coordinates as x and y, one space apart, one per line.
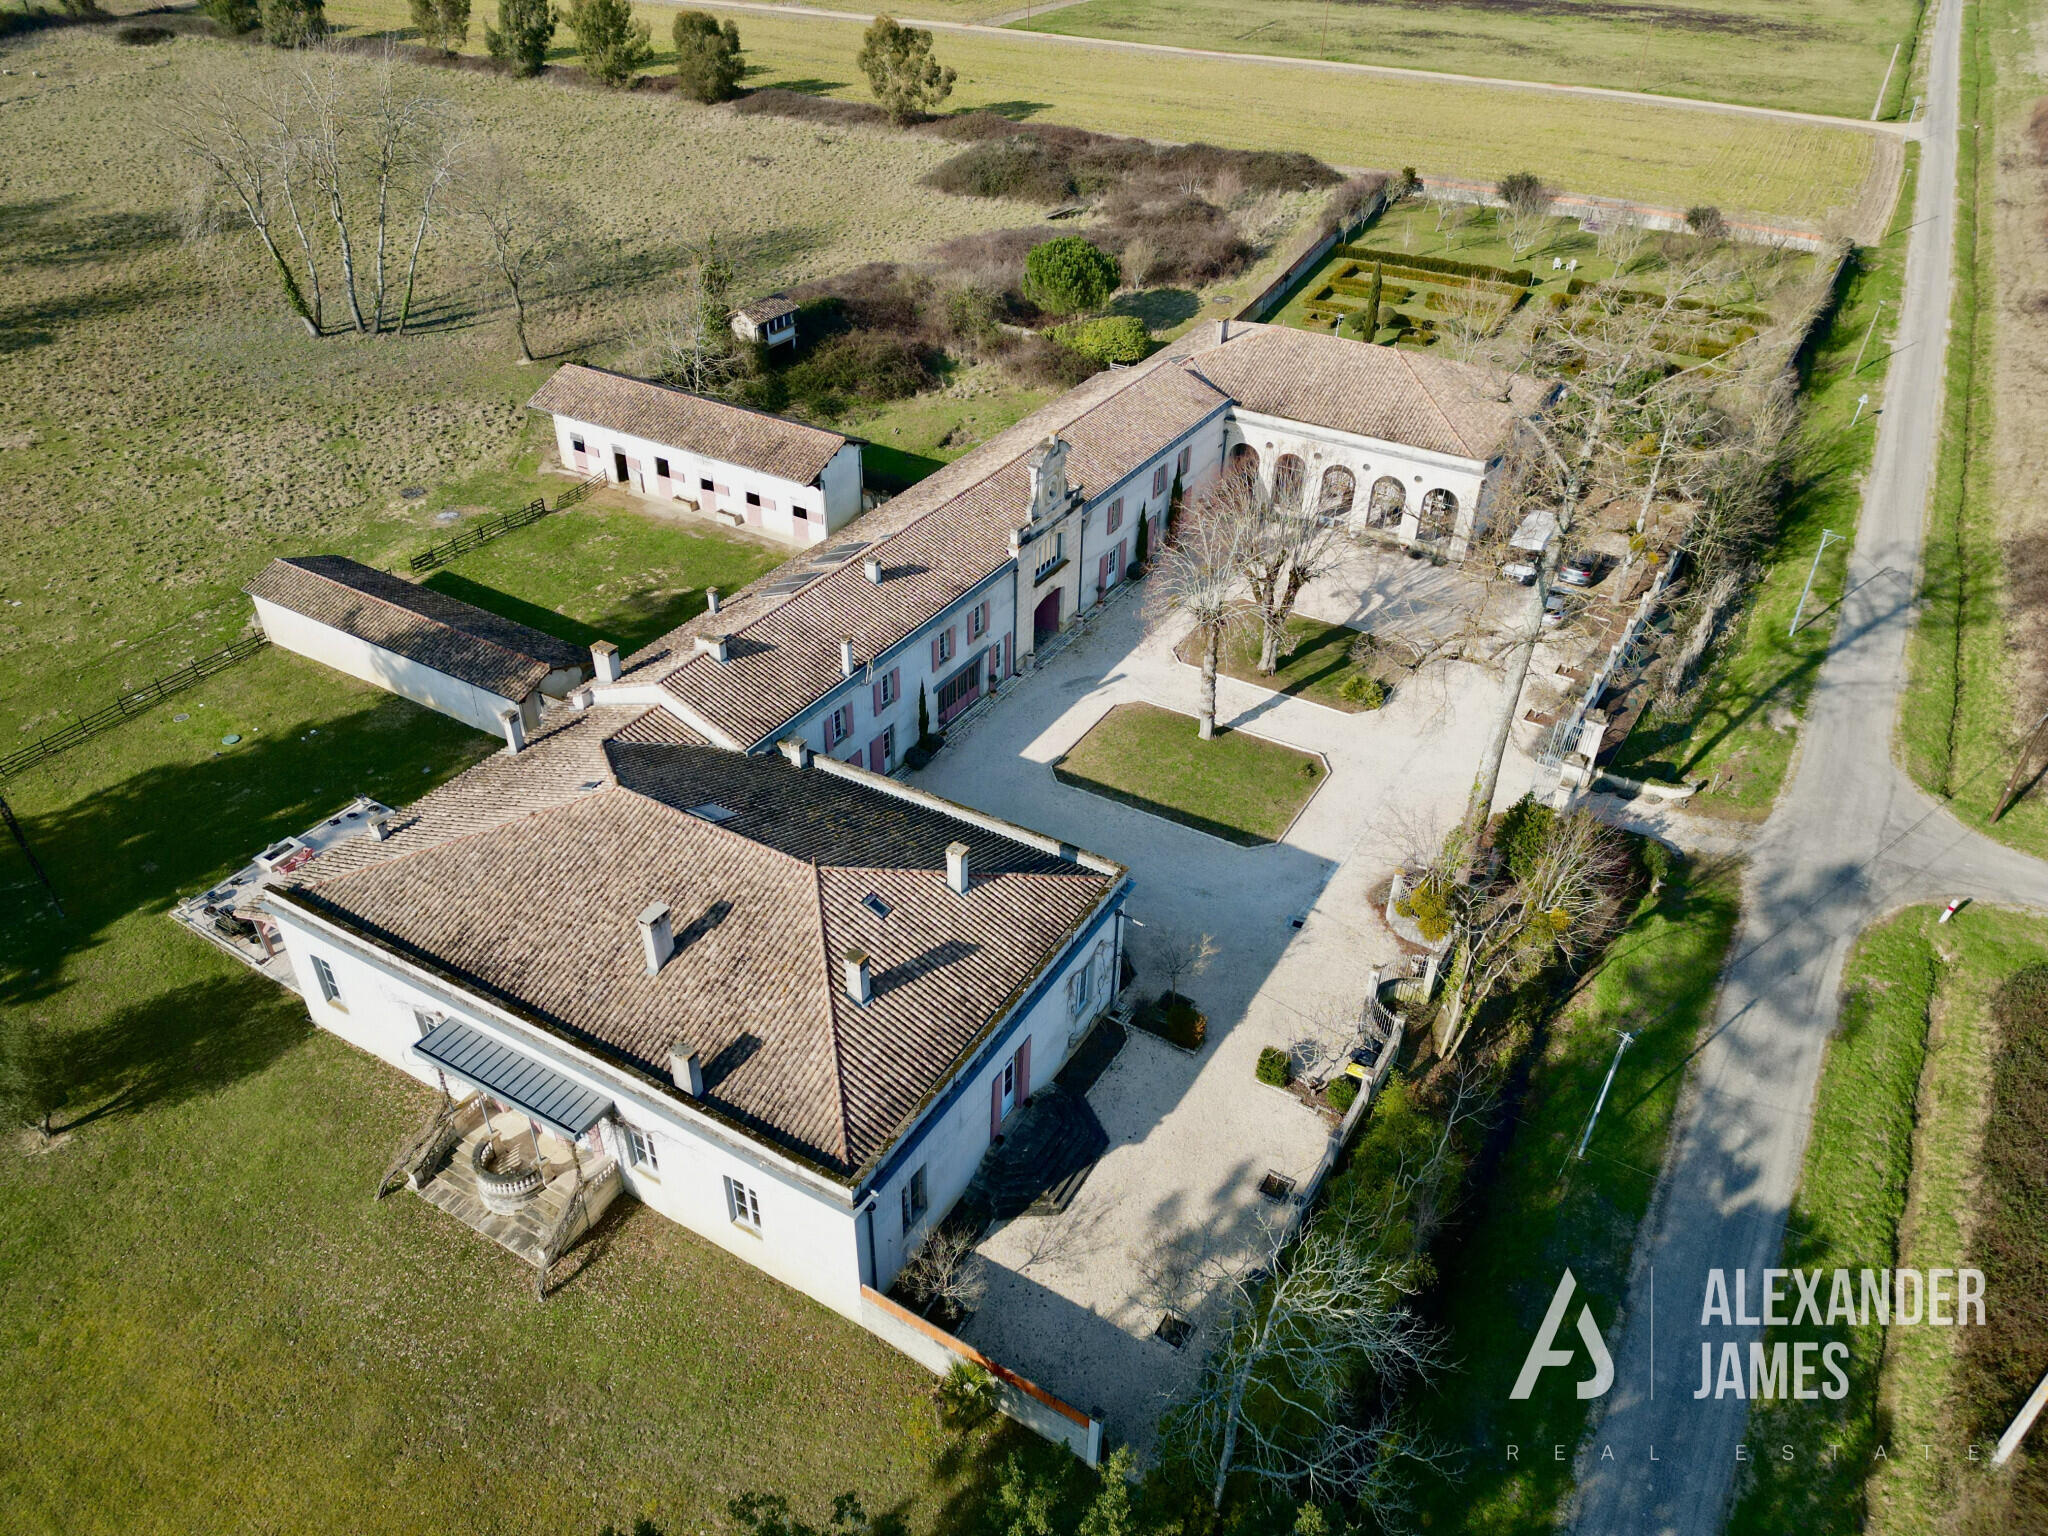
230 157
1281 547
689 342
522 234
945 1271
1309 1335
1198 577
1557 899
1183 956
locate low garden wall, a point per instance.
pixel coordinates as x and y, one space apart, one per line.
1025 1401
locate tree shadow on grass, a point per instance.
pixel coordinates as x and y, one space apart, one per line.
138 844
25 326
1160 308
517 609
178 1045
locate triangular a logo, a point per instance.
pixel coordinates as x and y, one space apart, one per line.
1542 1354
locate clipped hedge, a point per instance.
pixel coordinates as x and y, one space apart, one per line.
1514 277
1342 1093
1390 293
1275 1067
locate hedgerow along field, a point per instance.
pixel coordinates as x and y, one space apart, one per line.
1669 156
1828 57
167 427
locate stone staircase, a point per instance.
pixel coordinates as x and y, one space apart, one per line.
1043 1159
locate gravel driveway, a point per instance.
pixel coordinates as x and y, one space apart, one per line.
1073 1299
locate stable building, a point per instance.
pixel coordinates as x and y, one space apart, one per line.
748 469
421 644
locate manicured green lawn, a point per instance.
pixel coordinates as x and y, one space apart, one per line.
1892 1179
1733 733
1237 787
605 572
1315 666
1540 1212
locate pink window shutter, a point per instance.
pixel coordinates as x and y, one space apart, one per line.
1024 1070
935 653
878 698
995 1106
895 682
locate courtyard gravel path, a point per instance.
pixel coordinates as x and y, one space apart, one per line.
1073 1299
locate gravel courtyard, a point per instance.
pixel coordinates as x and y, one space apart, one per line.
1073 1300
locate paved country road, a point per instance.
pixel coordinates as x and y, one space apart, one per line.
993 28
1851 839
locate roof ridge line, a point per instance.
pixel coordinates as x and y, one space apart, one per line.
465 836
1434 404
401 608
845 1116
690 394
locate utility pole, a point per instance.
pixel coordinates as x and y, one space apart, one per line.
1885 84
1866 340
1800 612
21 837
1861 401
1600 1103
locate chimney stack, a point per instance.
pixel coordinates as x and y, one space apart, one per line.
380 828
873 567
956 867
604 660
1223 329
718 647
797 751
711 599
514 726
687 1070
846 658
657 937
860 986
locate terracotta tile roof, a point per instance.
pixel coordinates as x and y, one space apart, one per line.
774 445
418 623
526 884
774 307
1394 394
936 541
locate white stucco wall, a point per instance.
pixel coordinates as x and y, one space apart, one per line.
408 679
1321 449
911 660
828 505
807 1236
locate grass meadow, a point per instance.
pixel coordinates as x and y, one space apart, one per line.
1828 57
1670 156
1893 1178
166 428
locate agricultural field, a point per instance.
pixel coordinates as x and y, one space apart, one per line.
1828 57
1668 156
168 427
